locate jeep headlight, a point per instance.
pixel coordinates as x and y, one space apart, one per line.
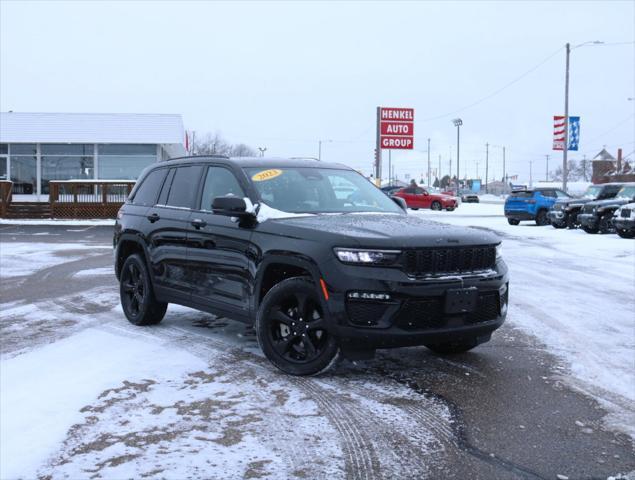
368 257
499 251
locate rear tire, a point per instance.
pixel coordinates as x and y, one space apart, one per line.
626 233
558 225
435 206
452 348
513 221
291 327
541 218
137 296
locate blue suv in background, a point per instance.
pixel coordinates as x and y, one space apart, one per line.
531 204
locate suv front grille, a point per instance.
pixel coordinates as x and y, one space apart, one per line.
436 261
588 209
625 213
428 314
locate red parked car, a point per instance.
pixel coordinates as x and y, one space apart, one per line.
417 197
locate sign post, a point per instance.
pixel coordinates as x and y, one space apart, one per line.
395 130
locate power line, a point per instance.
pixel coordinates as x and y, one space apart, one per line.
517 79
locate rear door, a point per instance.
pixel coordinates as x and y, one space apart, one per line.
168 242
220 248
422 198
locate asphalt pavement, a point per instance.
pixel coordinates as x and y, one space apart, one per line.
512 414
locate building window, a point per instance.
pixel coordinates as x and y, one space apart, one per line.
124 162
4 148
3 168
66 162
24 168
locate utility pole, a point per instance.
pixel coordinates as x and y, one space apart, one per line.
486 166
531 180
428 162
584 167
320 150
504 171
262 151
389 167
477 169
547 169
566 121
439 173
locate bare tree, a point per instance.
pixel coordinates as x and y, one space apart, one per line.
215 144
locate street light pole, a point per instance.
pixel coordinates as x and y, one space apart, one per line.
547 169
320 150
457 123
262 151
428 162
486 166
565 147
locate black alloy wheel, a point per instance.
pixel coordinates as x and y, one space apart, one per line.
606 223
435 206
572 220
292 329
137 298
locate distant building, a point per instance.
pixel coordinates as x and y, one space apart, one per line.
38 147
607 168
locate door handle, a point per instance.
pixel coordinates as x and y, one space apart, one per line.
198 223
154 217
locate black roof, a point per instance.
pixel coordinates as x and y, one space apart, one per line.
257 162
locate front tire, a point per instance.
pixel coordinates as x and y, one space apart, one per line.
606 225
137 296
591 230
452 348
435 206
291 328
626 233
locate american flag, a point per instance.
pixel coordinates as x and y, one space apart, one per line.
558 132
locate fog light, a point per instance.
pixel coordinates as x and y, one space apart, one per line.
504 298
368 296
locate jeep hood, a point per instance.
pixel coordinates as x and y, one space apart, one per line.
376 231
611 201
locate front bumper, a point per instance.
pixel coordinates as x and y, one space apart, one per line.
622 223
589 220
414 314
556 216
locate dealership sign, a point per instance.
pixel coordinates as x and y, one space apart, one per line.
396 128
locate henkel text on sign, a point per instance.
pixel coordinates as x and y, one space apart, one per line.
396 128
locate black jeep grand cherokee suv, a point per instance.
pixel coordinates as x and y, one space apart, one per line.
312 254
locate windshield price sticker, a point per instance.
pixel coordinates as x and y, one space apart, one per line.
266 175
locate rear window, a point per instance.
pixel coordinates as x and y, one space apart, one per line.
183 186
522 194
149 188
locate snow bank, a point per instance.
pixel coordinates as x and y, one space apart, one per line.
42 393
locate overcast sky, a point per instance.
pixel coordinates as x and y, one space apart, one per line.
285 75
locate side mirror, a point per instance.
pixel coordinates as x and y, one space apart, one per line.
401 202
230 206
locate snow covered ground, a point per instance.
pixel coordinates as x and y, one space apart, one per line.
83 393
576 293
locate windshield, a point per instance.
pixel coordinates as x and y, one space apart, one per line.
319 190
626 192
592 192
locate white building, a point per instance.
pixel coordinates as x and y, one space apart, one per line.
38 147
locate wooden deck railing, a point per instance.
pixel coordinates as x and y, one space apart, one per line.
88 198
5 196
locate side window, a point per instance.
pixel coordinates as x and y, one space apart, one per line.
219 182
163 197
548 193
149 188
409 191
561 194
419 191
184 186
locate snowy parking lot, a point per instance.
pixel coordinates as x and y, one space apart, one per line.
84 394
